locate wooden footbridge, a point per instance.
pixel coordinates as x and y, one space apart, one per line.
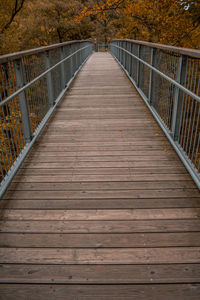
102 207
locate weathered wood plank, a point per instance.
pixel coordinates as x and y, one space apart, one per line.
102 147
66 159
100 203
143 142
113 274
100 256
117 240
50 183
99 194
61 227
100 292
112 214
151 153
138 174
101 164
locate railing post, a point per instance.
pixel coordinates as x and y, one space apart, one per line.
178 98
81 56
78 57
20 82
121 52
152 76
62 67
70 64
138 66
117 50
73 60
130 61
127 57
49 80
124 55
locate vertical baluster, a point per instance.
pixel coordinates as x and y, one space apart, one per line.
152 76
179 98
131 60
138 65
26 125
49 81
70 63
62 69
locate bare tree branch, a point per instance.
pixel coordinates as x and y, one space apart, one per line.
15 11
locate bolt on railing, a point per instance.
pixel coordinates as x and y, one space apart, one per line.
32 83
168 79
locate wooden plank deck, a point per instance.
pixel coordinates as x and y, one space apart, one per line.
102 208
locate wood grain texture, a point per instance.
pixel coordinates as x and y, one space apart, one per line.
99 240
103 256
106 274
100 292
112 214
100 226
102 208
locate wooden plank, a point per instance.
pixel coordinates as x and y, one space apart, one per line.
117 139
100 226
100 164
137 173
134 182
61 116
50 183
103 111
113 274
112 214
159 153
100 292
44 147
100 136
117 240
146 142
66 159
101 203
99 194
100 256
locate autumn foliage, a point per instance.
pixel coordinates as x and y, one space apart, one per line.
27 24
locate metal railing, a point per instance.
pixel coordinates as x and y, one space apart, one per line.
31 85
168 79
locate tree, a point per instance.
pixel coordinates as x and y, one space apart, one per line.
48 22
174 22
9 9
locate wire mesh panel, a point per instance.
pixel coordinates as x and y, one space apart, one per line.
55 57
31 84
36 95
144 71
168 79
189 137
11 131
134 62
163 97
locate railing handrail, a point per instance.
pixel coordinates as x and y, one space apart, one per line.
184 51
19 91
169 84
31 88
181 87
16 55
